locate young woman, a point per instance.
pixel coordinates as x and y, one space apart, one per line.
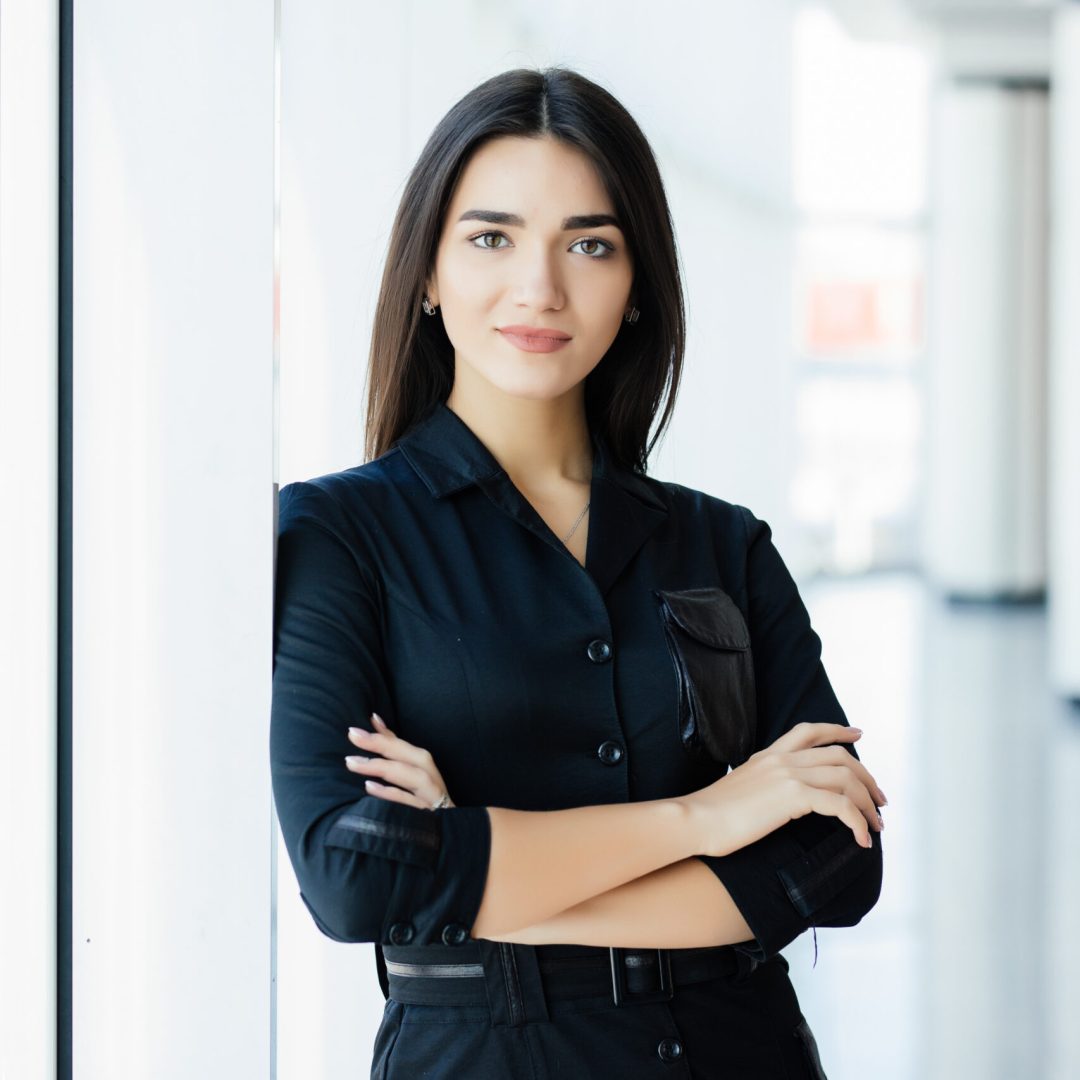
553 734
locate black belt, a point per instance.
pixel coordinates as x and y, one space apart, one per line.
463 974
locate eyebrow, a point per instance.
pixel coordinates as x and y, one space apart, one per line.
576 221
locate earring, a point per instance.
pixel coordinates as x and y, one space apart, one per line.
426 304
632 315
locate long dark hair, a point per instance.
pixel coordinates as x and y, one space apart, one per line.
411 366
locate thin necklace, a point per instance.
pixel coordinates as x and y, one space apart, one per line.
578 522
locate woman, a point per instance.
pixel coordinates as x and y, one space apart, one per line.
512 670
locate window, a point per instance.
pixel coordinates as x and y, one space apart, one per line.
860 115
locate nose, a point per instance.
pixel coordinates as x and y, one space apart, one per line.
538 284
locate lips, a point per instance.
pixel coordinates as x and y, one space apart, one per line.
534 339
534 332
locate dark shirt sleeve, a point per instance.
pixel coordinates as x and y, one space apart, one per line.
811 871
368 869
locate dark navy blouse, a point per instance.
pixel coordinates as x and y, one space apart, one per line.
425 587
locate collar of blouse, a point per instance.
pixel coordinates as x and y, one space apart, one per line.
625 508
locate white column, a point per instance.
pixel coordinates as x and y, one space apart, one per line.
985 518
1064 376
173 530
29 141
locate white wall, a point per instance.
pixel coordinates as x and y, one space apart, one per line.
173 527
29 167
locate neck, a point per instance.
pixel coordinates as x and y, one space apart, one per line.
538 442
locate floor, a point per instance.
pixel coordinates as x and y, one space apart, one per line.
969 964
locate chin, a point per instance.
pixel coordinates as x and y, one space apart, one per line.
535 384
532 389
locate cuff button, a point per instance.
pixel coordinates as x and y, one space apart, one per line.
401 933
454 934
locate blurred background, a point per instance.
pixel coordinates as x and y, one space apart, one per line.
877 211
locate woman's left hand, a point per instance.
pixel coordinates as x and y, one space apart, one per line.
411 768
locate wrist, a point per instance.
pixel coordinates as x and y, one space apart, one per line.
689 825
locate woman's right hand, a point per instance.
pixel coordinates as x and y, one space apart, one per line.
794 776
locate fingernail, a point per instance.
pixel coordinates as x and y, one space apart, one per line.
356 759
857 730
359 732
376 718
881 821
884 801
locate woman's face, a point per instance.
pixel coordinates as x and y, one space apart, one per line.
518 259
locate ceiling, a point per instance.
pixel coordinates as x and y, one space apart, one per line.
1003 39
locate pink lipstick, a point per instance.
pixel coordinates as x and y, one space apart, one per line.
536 339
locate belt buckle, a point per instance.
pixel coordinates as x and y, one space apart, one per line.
622 995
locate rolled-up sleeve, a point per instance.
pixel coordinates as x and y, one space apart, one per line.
369 870
811 871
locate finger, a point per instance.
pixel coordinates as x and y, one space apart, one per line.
427 788
389 745
380 725
865 778
806 733
401 773
393 794
834 805
838 755
837 778
422 802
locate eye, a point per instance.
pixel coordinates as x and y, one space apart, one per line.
605 250
488 247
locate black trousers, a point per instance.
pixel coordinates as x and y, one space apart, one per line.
746 1025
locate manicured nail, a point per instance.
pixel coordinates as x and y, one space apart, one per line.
359 732
356 759
857 730
378 720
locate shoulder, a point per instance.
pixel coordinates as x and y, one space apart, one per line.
346 501
699 520
692 506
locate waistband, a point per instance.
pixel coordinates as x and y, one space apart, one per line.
517 981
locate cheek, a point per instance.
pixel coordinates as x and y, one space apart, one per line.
466 273
608 299
464 307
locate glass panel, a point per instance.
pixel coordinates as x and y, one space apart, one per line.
860 123
855 479
859 294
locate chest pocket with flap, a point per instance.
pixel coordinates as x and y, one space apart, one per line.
709 643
